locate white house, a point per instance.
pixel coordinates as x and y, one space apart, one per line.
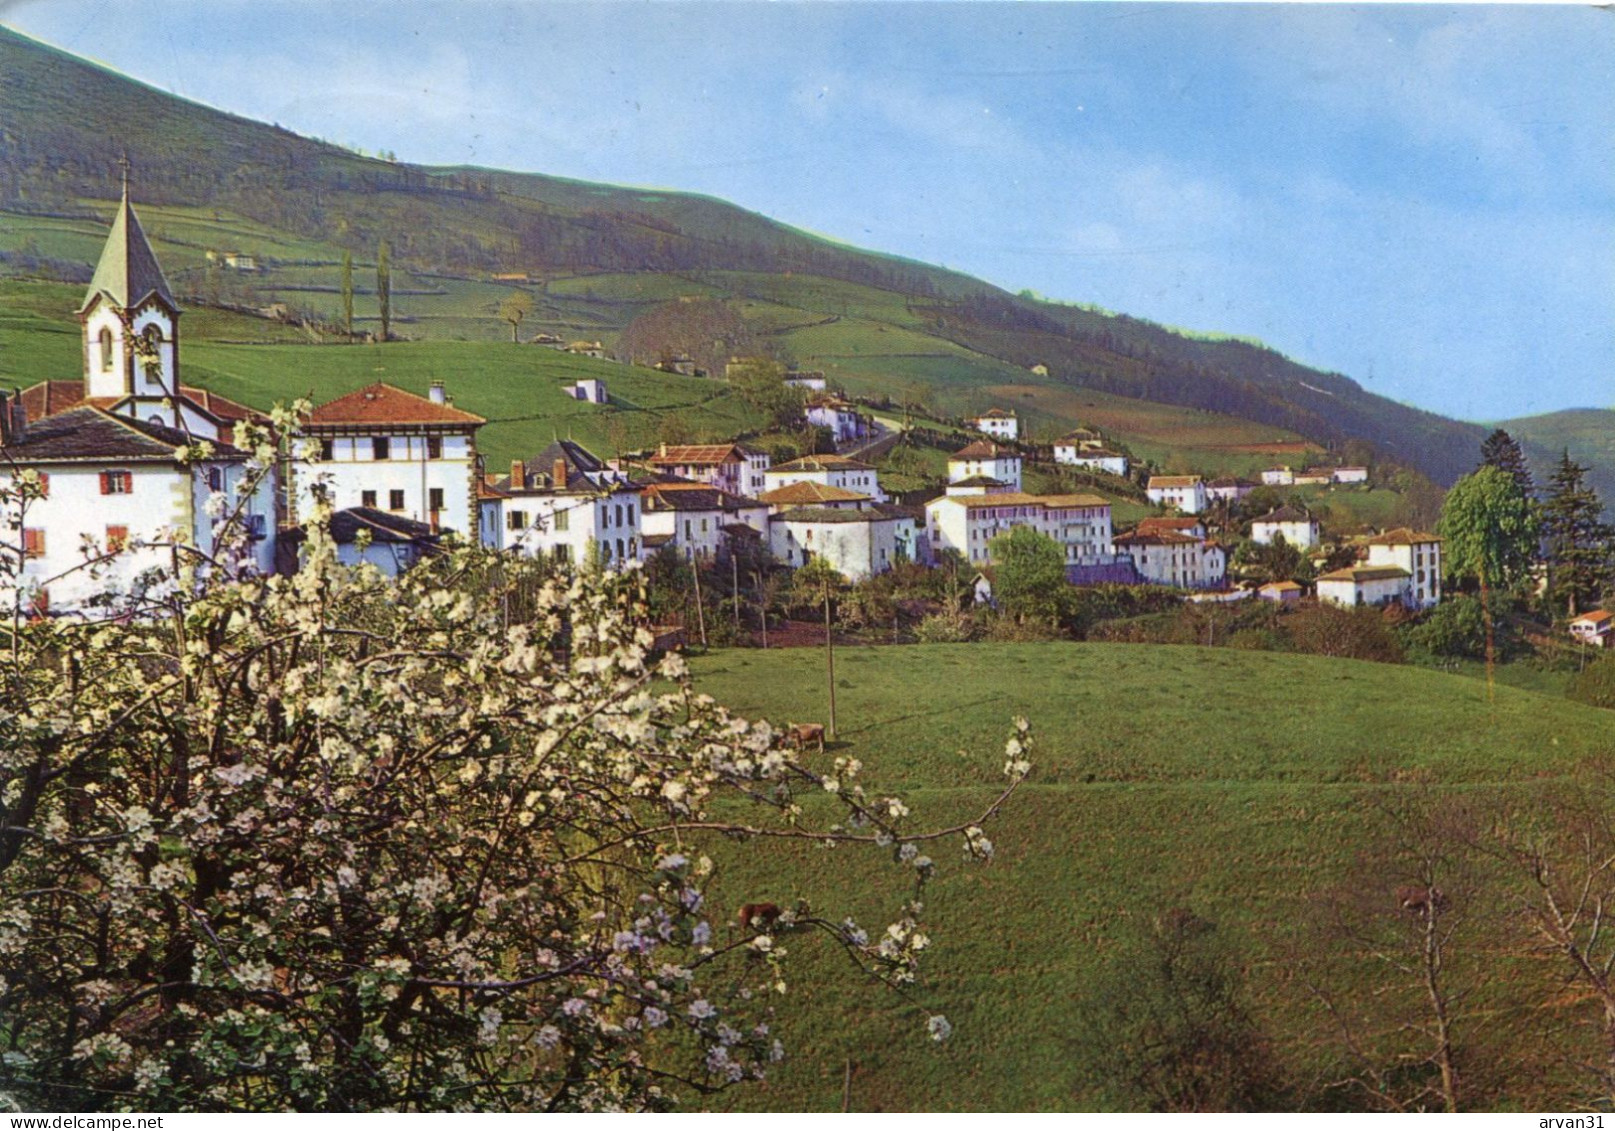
856 543
844 422
1596 628
1068 451
113 486
997 423
985 458
1419 554
1364 585
394 451
1294 525
693 516
967 523
567 504
1185 492
1350 475
1314 476
812 380
590 389
1229 489
830 471
739 469
1168 558
1278 477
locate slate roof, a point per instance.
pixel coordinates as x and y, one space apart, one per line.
383 527
128 272
387 404
1157 538
87 434
693 497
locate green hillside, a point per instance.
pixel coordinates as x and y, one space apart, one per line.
1234 784
593 257
1588 434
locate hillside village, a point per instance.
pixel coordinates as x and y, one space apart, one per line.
403 473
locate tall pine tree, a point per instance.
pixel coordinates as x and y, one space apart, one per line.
1578 541
347 293
1502 451
384 289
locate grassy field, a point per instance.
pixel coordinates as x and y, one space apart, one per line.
1234 783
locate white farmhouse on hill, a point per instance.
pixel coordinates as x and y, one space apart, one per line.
997 423
1187 493
1294 525
983 458
391 450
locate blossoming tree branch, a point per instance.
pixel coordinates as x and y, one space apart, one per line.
336 841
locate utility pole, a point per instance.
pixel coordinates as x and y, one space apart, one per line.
830 656
762 606
700 614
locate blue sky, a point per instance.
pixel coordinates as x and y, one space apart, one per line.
1422 198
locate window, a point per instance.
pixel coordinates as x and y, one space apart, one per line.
563 519
688 534
367 498
516 520
395 500
33 543
215 479
619 514
117 538
435 499
630 514
381 447
117 483
106 349
327 450
434 447
619 548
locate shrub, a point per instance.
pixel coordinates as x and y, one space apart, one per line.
947 627
1595 684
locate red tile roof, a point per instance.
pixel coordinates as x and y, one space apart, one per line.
697 454
984 449
805 494
386 404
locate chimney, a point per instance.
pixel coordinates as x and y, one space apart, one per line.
437 394
661 450
558 473
518 474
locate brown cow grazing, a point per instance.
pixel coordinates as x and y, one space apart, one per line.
761 915
800 734
1420 900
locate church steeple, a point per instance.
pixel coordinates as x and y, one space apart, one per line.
128 272
129 299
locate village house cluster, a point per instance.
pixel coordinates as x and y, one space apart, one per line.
403 471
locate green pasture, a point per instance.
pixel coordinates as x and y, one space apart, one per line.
1232 783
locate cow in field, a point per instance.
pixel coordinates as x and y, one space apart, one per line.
800 734
1419 900
760 915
